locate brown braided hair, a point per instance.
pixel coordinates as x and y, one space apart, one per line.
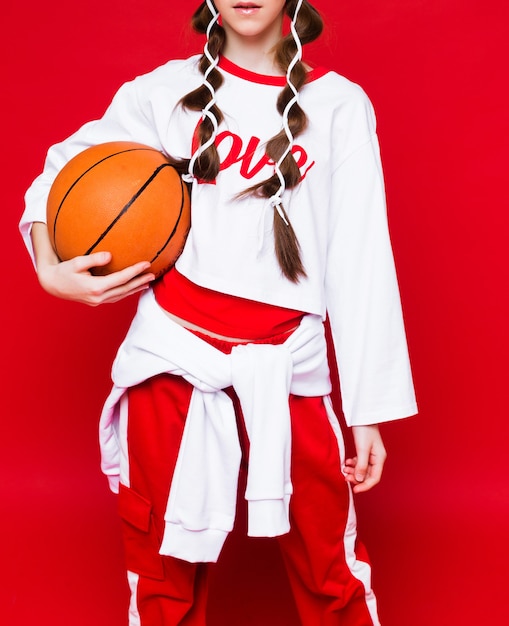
309 26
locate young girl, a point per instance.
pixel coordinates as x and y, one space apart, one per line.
222 379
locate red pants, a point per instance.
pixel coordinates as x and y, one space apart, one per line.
330 585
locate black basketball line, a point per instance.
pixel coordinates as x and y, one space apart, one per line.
170 237
124 210
110 156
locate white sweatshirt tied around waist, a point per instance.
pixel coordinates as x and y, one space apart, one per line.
201 504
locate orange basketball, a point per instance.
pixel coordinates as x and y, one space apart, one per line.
124 198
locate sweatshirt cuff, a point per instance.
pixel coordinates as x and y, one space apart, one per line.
114 482
268 518
195 546
388 415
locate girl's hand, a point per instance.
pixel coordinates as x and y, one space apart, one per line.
365 470
72 280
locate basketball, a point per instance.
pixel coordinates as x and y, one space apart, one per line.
122 197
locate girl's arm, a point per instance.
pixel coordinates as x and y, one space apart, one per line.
363 300
126 119
72 280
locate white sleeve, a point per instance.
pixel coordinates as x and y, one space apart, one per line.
124 120
363 300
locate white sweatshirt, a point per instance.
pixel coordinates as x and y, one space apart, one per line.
202 499
338 212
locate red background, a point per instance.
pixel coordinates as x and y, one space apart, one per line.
436 527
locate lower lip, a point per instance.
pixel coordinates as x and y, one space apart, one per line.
247 10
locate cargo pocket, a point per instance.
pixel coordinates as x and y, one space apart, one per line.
141 538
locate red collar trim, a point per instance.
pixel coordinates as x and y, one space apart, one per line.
276 81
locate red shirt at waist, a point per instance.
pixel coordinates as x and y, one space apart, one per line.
221 313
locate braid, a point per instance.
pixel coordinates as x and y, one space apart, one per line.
308 26
206 164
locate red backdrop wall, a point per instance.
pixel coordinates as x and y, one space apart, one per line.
436 527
